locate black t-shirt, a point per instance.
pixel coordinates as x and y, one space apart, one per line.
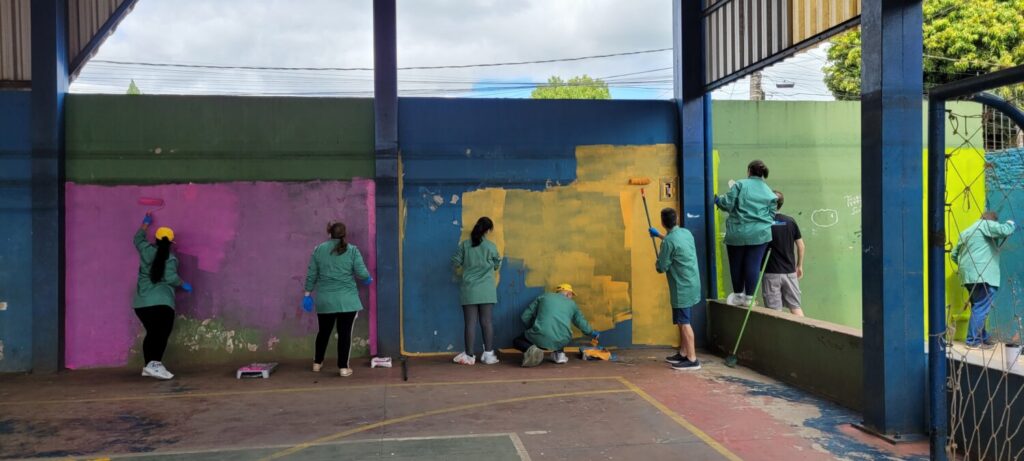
785 233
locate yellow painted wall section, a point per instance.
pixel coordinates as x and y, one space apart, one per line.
591 234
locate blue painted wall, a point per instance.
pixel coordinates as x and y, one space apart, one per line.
1005 194
15 231
452 146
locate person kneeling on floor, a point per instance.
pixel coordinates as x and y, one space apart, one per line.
549 321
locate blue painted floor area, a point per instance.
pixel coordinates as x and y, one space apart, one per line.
832 418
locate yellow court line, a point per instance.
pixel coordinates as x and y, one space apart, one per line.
298 389
387 422
680 420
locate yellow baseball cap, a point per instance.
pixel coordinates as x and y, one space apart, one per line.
564 287
165 232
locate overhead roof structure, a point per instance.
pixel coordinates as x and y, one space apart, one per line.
90 22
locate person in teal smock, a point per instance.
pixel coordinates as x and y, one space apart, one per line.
153 301
977 257
549 320
333 270
751 205
677 259
478 260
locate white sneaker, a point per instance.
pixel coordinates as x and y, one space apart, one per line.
489 358
735 299
559 357
464 359
156 370
345 372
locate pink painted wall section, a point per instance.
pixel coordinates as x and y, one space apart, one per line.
244 247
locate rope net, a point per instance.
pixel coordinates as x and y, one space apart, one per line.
984 266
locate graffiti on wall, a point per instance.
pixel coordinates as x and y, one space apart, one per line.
244 246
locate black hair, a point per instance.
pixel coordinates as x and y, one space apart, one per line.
669 218
337 231
159 266
483 225
757 168
780 198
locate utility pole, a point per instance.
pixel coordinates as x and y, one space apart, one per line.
756 90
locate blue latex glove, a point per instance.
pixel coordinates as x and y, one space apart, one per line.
368 281
596 334
187 287
148 219
654 232
307 303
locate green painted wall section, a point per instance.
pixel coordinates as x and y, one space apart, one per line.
813 152
820 357
119 139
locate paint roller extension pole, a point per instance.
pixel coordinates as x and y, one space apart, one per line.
732 359
649 225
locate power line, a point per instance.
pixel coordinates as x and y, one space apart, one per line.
346 69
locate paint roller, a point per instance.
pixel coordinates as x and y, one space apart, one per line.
643 195
152 202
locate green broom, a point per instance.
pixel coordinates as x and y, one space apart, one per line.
731 360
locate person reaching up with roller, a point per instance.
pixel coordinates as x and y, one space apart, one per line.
549 320
677 259
977 256
751 205
154 295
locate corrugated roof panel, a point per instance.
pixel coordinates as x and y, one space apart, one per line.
15 41
85 18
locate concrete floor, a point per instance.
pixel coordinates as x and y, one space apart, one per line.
636 408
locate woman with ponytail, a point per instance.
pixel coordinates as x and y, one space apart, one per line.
333 270
479 260
154 295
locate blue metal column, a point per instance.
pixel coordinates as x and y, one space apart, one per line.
385 105
891 185
49 85
938 410
694 161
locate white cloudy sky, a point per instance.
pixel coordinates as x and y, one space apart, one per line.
338 34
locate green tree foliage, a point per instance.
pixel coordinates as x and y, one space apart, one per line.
133 89
961 39
582 87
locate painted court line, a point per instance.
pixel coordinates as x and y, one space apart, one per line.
388 422
516 442
680 420
285 390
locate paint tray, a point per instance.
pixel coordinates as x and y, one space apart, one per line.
596 353
256 370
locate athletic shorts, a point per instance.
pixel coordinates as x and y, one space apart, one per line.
681 315
781 290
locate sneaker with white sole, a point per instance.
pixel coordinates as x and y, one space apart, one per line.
464 359
317 367
559 357
674 359
345 372
156 370
687 365
533 356
735 299
489 358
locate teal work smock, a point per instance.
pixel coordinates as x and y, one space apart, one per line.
677 259
333 276
147 293
977 252
549 320
478 264
751 205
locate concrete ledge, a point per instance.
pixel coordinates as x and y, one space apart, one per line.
820 357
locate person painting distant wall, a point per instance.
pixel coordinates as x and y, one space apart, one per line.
751 207
785 268
976 255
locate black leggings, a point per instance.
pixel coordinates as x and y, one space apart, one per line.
522 344
345 322
471 312
158 322
744 266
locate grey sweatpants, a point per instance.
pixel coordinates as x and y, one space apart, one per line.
781 290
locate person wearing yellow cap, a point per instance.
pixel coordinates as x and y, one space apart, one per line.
154 295
549 320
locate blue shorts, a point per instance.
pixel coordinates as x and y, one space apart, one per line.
681 315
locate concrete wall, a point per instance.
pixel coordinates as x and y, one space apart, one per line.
820 357
15 232
554 177
249 185
1006 195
